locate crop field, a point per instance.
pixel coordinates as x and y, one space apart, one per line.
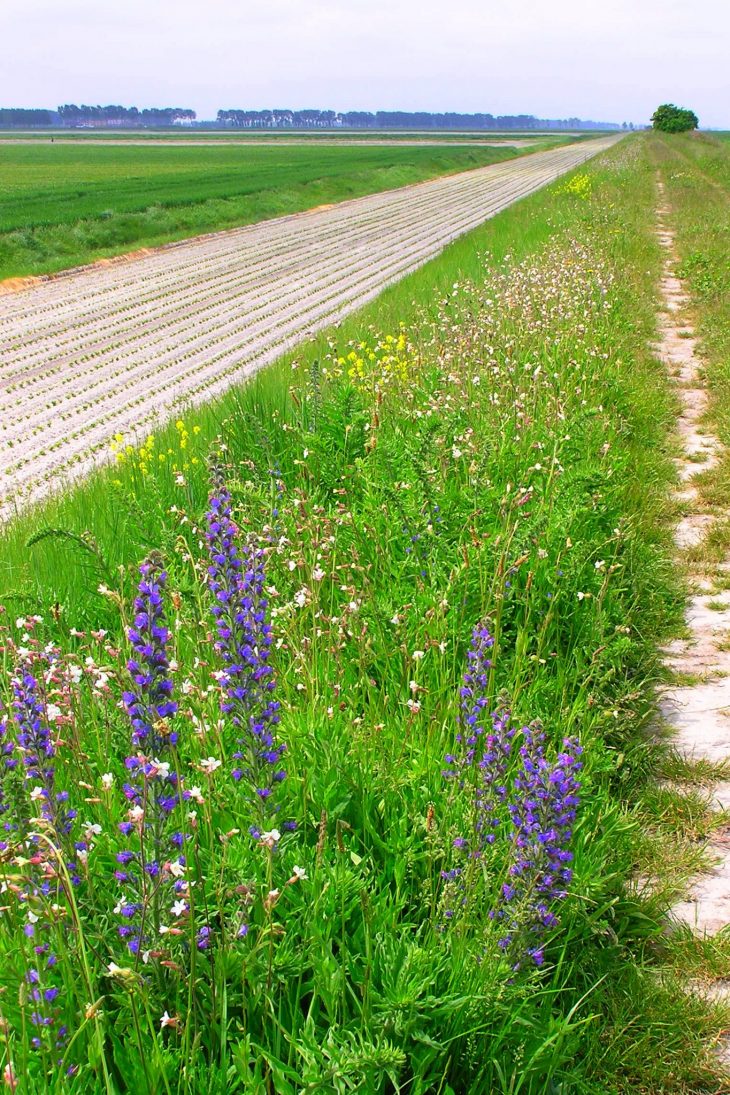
329 699
76 352
68 203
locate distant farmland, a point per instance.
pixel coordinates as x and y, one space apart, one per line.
68 204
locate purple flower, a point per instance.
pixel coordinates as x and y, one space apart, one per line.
478 764
236 580
542 811
152 789
148 701
520 798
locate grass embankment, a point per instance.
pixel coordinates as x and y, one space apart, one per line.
65 205
696 173
498 461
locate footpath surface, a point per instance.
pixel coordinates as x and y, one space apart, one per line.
119 348
696 708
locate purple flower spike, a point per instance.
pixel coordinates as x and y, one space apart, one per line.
483 745
153 866
148 701
236 580
542 811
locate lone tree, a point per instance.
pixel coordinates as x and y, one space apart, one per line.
673 119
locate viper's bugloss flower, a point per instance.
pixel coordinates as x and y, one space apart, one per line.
8 778
543 807
34 743
479 761
236 579
522 799
148 869
148 701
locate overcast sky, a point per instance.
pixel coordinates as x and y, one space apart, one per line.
609 60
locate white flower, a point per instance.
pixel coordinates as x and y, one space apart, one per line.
413 706
299 873
168 1020
178 908
210 764
197 795
136 814
417 655
107 781
20 623
53 711
300 598
456 453
318 574
176 869
92 829
113 970
271 838
599 564
36 794
160 769
75 672
580 596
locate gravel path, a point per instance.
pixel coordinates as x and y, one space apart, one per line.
121 348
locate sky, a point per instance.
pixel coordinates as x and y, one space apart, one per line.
608 60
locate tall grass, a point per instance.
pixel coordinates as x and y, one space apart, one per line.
431 558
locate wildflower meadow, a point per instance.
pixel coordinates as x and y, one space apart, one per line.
323 709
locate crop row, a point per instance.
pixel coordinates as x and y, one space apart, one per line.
116 349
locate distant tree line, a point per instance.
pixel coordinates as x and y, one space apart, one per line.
394 119
18 116
72 115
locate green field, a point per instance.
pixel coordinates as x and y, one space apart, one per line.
487 445
64 205
343 135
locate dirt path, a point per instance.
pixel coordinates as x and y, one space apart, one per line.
697 707
120 348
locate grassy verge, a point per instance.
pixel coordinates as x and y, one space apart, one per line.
64 205
696 173
469 471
